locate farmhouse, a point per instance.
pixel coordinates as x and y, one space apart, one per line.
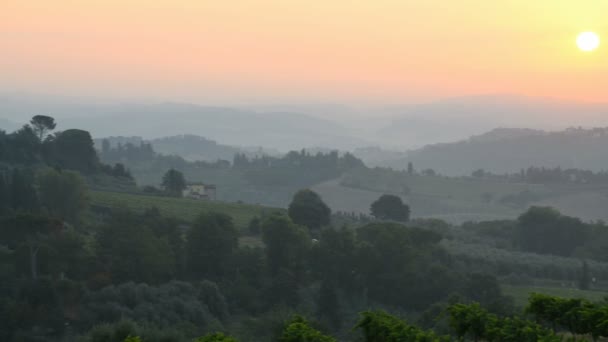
200 191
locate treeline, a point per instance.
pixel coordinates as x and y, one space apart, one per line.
543 230
545 319
543 175
35 145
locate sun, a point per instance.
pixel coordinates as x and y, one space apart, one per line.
588 41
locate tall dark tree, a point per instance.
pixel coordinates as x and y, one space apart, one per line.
211 242
308 209
74 149
174 183
390 207
42 124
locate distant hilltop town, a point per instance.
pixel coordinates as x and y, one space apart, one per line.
200 191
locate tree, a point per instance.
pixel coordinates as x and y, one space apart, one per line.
254 226
308 209
174 183
299 330
400 265
380 326
390 207
287 244
328 305
63 193
216 337
410 168
30 231
22 193
74 149
131 251
334 259
42 124
211 242
545 230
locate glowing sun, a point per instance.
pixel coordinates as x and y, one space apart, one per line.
588 41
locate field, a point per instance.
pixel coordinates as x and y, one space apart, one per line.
457 200
448 207
185 209
522 293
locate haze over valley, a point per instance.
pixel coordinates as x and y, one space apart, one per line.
303 171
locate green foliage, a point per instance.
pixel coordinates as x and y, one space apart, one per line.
335 259
254 226
42 124
299 330
328 305
308 209
417 274
287 244
174 183
133 339
183 208
380 326
63 194
211 243
475 322
164 306
485 289
30 233
22 193
390 207
578 316
544 230
504 262
216 337
73 149
131 250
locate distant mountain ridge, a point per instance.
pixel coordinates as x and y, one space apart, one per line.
283 130
509 150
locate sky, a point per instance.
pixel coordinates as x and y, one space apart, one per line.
363 51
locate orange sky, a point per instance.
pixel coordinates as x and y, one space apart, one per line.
274 50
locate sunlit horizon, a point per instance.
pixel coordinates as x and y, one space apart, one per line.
275 52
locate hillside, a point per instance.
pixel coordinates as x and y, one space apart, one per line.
457 118
231 125
457 200
182 208
510 150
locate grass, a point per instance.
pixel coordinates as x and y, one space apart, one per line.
181 208
522 293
